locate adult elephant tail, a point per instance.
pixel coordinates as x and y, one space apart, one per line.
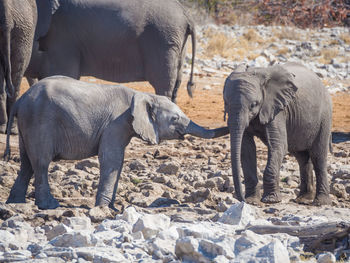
5 51
7 153
191 31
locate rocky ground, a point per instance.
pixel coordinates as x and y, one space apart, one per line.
176 200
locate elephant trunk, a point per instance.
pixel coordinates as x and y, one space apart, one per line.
199 131
236 135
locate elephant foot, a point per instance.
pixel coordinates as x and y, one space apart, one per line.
271 198
14 130
17 195
13 199
47 203
305 198
3 128
322 199
102 200
253 198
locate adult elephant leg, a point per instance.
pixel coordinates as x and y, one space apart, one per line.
16 80
161 68
306 194
3 102
249 167
277 148
19 189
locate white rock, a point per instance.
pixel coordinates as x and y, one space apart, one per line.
130 215
249 239
6 240
187 250
151 225
60 229
74 239
101 254
17 255
238 214
78 223
327 257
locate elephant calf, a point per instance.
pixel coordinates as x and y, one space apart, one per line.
63 118
289 109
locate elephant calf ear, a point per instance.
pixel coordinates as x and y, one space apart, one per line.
143 121
279 90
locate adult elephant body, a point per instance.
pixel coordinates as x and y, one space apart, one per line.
289 109
63 118
21 23
121 41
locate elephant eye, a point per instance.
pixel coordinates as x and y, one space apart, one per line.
254 104
174 118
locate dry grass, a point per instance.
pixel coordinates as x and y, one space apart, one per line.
282 51
252 35
345 37
233 48
286 33
327 54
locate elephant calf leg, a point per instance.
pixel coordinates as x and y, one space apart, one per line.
43 196
249 167
111 157
307 193
322 186
271 177
19 189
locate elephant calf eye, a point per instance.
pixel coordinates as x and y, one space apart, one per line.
254 104
174 118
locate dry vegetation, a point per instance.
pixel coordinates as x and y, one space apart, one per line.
327 54
233 48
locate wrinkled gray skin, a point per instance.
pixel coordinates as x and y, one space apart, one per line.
289 109
121 41
21 23
63 118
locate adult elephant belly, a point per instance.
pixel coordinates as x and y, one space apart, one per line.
113 60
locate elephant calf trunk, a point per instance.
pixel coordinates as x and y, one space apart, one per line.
201 132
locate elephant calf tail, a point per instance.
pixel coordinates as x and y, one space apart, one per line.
190 84
7 153
330 144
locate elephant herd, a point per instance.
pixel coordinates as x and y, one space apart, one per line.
60 117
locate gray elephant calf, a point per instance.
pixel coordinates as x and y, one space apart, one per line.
289 109
63 118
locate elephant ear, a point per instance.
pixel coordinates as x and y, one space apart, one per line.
279 90
45 9
143 122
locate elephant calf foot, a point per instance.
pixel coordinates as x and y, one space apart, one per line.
305 198
3 128
253 199
14 130
271 198
103 200
322 199
47 203
15 199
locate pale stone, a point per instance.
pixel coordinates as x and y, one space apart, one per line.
74 239
130 215
327 257
151 225
238 214
60 229
78 223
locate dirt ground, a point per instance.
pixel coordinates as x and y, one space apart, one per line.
207 105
